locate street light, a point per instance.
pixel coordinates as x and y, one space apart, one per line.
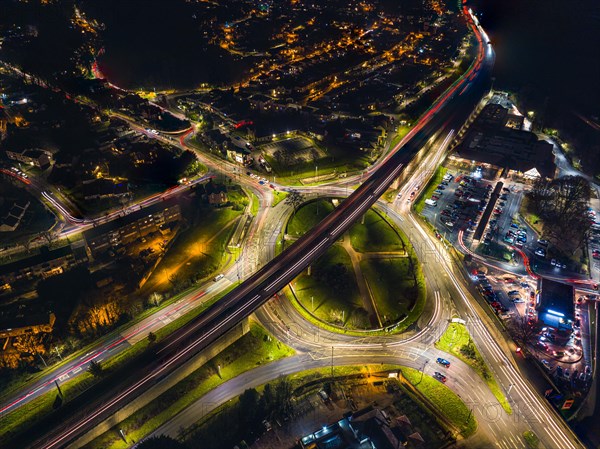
423 370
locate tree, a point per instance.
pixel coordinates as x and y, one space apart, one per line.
562 204
154 299
525 331
283 397
95 369
49 236
160 442
151 337
176 281
294 199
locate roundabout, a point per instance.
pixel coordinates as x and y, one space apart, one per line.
369 282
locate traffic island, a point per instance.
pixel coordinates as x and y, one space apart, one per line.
458 342
370 281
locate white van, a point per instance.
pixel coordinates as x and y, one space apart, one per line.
431 203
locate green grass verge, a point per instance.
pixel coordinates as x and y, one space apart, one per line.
443 399
398 293
457 341
326 298
308 216
198 251
374 234
253 349
278 197
431 187
530 217
254 205
42 406
402 131
332 287
531 439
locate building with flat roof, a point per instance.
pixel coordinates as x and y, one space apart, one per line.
496 139
138 224
555 304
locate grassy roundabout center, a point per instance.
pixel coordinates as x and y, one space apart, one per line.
369 280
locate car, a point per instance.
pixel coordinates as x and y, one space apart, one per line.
566 374
439 376
435 197
218 277
267 425
587 369
524 285
543 242
514 226
517 300
541 252
559 371
441 187
546 364
582 377
513 293
509 240
504 197
445 363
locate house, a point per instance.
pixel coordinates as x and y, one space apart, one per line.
126 229
217 198
25 323
43 265
34 157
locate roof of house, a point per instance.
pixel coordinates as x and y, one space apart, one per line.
44 256
127 219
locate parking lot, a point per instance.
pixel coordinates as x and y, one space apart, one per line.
458 203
